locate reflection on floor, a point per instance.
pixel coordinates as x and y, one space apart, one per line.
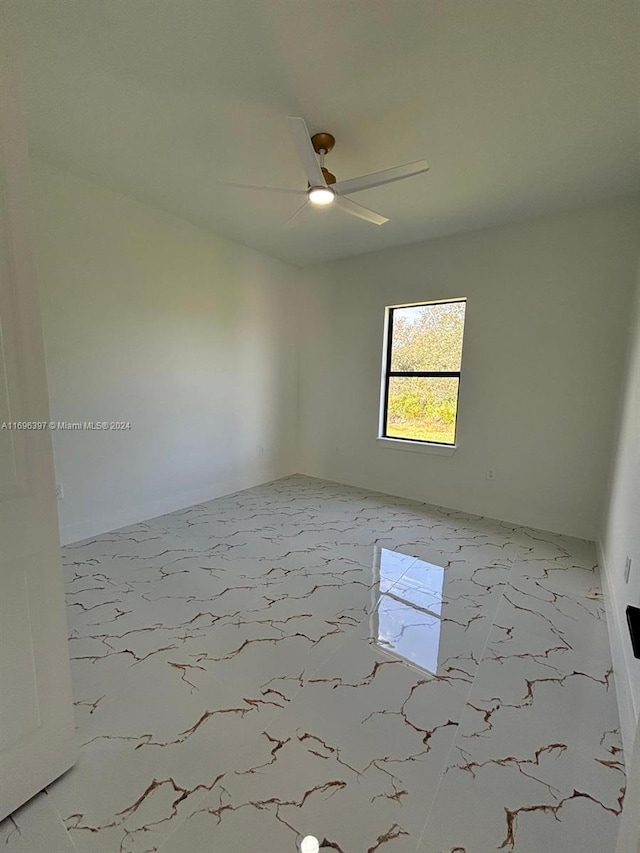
408 617
305 659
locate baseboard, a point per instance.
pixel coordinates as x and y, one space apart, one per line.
617 640
133 514
576 529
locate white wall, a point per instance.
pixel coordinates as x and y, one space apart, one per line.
548 302
621 538
188 336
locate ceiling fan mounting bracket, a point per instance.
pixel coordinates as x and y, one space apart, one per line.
322 142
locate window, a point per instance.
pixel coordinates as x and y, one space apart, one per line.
422 371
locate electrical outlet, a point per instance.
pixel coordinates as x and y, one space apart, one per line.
59 491
261 450
491 474
627 569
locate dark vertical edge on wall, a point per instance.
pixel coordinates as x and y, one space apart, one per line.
388 370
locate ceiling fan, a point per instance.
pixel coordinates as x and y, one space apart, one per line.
323 189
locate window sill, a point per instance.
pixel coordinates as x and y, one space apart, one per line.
417 447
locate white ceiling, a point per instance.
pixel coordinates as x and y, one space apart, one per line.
520 106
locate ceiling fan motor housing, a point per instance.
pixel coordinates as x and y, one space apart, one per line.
329 178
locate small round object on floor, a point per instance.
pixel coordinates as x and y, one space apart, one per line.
309 844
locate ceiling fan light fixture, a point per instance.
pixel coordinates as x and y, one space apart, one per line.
321 195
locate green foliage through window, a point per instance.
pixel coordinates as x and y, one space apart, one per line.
423 375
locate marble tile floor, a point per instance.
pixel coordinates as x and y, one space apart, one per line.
305 658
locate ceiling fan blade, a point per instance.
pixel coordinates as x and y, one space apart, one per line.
261 189
293 219
302 140
358 210
377 179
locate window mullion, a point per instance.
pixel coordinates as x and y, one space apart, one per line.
426 374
